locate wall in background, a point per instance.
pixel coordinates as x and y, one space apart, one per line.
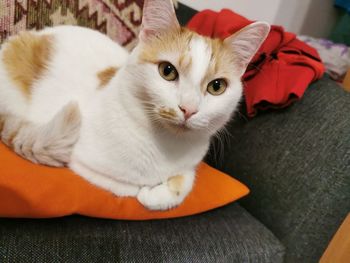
253 9
310 17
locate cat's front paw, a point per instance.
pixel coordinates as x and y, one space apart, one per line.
163 196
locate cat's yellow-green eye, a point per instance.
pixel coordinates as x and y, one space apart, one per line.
168 71
217 87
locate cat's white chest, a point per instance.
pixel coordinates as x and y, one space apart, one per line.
134 153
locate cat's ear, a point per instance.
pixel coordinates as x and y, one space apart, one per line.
158 17
246 42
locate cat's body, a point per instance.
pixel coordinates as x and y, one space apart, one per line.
116 119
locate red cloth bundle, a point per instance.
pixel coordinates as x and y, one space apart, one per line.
281 70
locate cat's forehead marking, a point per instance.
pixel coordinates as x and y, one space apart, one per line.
185 62
173 41
104 76
26 58
222 64
200 53
201 58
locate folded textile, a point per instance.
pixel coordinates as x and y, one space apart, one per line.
281 70
335 56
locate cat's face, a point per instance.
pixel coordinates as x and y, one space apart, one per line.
190 82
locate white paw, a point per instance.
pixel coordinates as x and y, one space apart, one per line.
159 197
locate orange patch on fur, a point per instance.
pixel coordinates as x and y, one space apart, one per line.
106 75
176 184
73 115
222 61
177 40
26 57
167 113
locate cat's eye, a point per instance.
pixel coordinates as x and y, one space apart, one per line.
217 87
168 71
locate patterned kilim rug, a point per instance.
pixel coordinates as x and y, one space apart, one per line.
119 19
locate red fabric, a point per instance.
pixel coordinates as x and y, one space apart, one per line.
281 70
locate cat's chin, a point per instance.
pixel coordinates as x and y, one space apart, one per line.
176 128
180 128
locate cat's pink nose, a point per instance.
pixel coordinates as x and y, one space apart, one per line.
188 111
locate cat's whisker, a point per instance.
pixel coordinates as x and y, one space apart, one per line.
225 137
241 115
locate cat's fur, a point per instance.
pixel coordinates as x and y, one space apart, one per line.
69 95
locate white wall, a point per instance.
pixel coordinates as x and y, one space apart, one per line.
308 17
311 17
253 9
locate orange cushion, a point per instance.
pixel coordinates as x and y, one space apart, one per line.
35 191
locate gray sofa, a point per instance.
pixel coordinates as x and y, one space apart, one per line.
296 161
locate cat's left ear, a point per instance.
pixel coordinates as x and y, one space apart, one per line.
158 17
246 42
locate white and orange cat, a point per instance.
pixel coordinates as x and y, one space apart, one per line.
135 124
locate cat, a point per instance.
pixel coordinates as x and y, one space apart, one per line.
136 124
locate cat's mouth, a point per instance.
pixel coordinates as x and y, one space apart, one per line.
174 124
171 120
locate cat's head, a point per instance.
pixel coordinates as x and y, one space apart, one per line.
188 82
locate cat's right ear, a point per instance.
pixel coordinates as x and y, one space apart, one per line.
246 42
158 17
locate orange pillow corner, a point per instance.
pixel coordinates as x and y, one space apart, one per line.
35 191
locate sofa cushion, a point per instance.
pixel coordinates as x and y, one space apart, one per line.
37 191
228 234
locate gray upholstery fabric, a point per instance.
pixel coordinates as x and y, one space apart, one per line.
229 234
297 164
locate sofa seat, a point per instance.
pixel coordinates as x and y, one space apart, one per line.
228 234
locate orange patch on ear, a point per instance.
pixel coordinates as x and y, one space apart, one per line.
106 75
26 57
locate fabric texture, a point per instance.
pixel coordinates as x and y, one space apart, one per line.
335 56
229 234
281 70
35 191
296 163
120 20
